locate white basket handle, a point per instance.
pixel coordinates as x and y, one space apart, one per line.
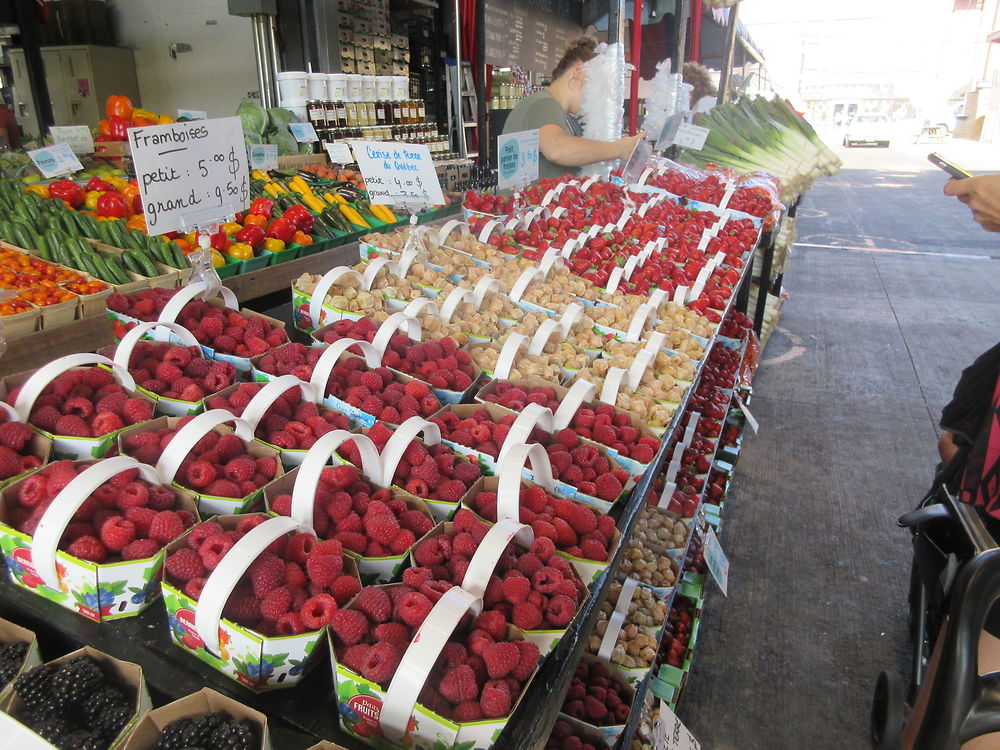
397 444
390 326
456 297
483 287
580 391
223 580
645 176
612 384
264 398
572 315
11 412
406 258
512 222
551 259
570 246
34 385
328 360
623 219
549 196
609 228
680 295
521 284
375 267
487 230
123 352
614 279
548 327
187 293
617 619
669 485
558 211
656 342
418 660
311 468
692 426
509 486
586 184
420 306
657 297
324 285
595 229
65 504
638 322
449 227
487 554
531 416
188 436
639 366
508 352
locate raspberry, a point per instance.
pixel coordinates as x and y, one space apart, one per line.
466 712
348 626
166 527
276 604
15 435
500 659
266 574
494 623
214 548
224 488
546 580
417 487
140 549
116 533
202 532
381 661
434 590
240 469
183 565
516 589
416 522
324 569
88 548
374 603
10 462
528 661
136 410
591 549
403 541
416 389
412 608
467 473
560 611
393 632
451 491
133 495
289 624
381 528
608 487
459 684
543 549
496 701
526 616
416 577
71 426
344 588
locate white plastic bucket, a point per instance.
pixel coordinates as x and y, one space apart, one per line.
336 86
383 88
368 88
354 87
316 85
400 88
292 84
298 106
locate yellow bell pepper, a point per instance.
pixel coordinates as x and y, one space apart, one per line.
164 120
42 190
273 245
118 182
241 250
311 201
231 228
192 238
217 260
91 200
353 216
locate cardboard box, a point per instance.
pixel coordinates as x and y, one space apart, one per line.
11 633
324 745
205 701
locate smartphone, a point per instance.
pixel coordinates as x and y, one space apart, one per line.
940 162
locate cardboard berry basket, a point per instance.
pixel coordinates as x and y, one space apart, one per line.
393 716
255 660
38 446
124 672
147 732
33 382
310 310
166 276
100 592
507 486
11 633
609 640
325 745
525 422
22 323
302 483
186 438
609 732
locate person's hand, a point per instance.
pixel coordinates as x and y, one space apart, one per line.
982 196
627 144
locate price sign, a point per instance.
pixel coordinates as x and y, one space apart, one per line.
263 156
690 136
77 136
190 169
53 161
303 132
670 733
398 173
340 153
517 159
716 560
192 114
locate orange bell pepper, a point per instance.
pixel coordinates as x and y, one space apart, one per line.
141 122
185 246
256 219
118 106
301 238
104 128
137 221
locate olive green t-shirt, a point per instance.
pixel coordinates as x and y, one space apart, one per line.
532 113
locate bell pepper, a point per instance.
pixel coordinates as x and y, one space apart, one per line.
262 206
273 246
257 220
300 217
96 183
138 221
104 129
119 128
301 238
42 190
137 204
92 197
165 120
231 228
240 250
68 191
118 106
112 205
251 234
142 122
281 229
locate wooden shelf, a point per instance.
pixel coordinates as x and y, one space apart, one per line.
36 349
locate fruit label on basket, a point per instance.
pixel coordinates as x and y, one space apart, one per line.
716 560
263 156
303 132
517 159
53 161
188 169
339 153
77 136
398 174
670 732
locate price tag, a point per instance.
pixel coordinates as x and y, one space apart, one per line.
637 162
192 114
670 733
53 161
190 168
398 173
303 132
263 156
77 136
690 136
716 560
517 159
339 153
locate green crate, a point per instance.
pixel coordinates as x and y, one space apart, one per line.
230 269
289 253
255 264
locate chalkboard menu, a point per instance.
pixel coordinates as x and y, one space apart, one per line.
532 34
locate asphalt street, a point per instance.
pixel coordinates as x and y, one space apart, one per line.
892 291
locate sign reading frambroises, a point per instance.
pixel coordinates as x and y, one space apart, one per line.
189 169
398 174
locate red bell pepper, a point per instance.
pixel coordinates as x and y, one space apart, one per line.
119 128
113 205
300 217
68 191
96 183
263 206
251 234
281 229
219 240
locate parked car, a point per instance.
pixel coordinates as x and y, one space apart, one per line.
868 129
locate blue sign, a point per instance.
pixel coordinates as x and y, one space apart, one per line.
53 161
517 159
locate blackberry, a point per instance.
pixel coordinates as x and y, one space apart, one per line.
111 720
109 695
46 708
216 731
234 735
178 735
74 680
51 729
33 686
82 739
11 658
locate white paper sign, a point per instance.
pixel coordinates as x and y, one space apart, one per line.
303 132
263 156
670 733
398 173
517 159
690 136
339 153
192 114
53 161
190 173
77 136
716 560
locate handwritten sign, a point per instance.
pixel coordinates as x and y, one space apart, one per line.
53 161
670 733
398 173
517 159
690 136
716 560
192 114
339 153
303 132
190 169
263 156
77 136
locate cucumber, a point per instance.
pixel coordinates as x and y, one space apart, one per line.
43 248
178 255
101 269
145 265
6 229
22 238
129 262
87 265
117 270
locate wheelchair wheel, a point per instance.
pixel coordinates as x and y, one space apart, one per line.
888 711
